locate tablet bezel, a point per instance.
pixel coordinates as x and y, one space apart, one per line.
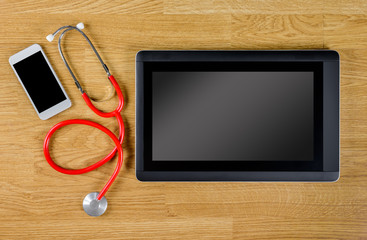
327 168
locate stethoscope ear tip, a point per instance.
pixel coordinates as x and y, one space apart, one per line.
94 207
50 37
80 26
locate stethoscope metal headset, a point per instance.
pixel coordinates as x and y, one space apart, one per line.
95 203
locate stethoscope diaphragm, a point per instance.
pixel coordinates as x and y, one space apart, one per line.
94 207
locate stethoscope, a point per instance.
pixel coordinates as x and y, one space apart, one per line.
95 203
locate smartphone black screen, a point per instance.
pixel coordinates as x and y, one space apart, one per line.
39 81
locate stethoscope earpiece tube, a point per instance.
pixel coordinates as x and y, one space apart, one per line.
94 204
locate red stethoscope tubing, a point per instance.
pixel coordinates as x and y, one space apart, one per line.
117 141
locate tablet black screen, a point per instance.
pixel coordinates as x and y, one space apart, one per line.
232 116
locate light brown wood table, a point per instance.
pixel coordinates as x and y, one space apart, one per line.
39 203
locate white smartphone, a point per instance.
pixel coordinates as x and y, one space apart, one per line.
39 81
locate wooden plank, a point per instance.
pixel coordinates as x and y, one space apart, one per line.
83 7
297 228
269 7
345 31
277 31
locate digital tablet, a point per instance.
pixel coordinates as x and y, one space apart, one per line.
237 115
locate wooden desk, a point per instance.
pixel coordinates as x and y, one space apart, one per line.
39 203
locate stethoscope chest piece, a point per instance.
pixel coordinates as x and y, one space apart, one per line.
94 207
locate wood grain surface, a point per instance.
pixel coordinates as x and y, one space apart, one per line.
39 203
